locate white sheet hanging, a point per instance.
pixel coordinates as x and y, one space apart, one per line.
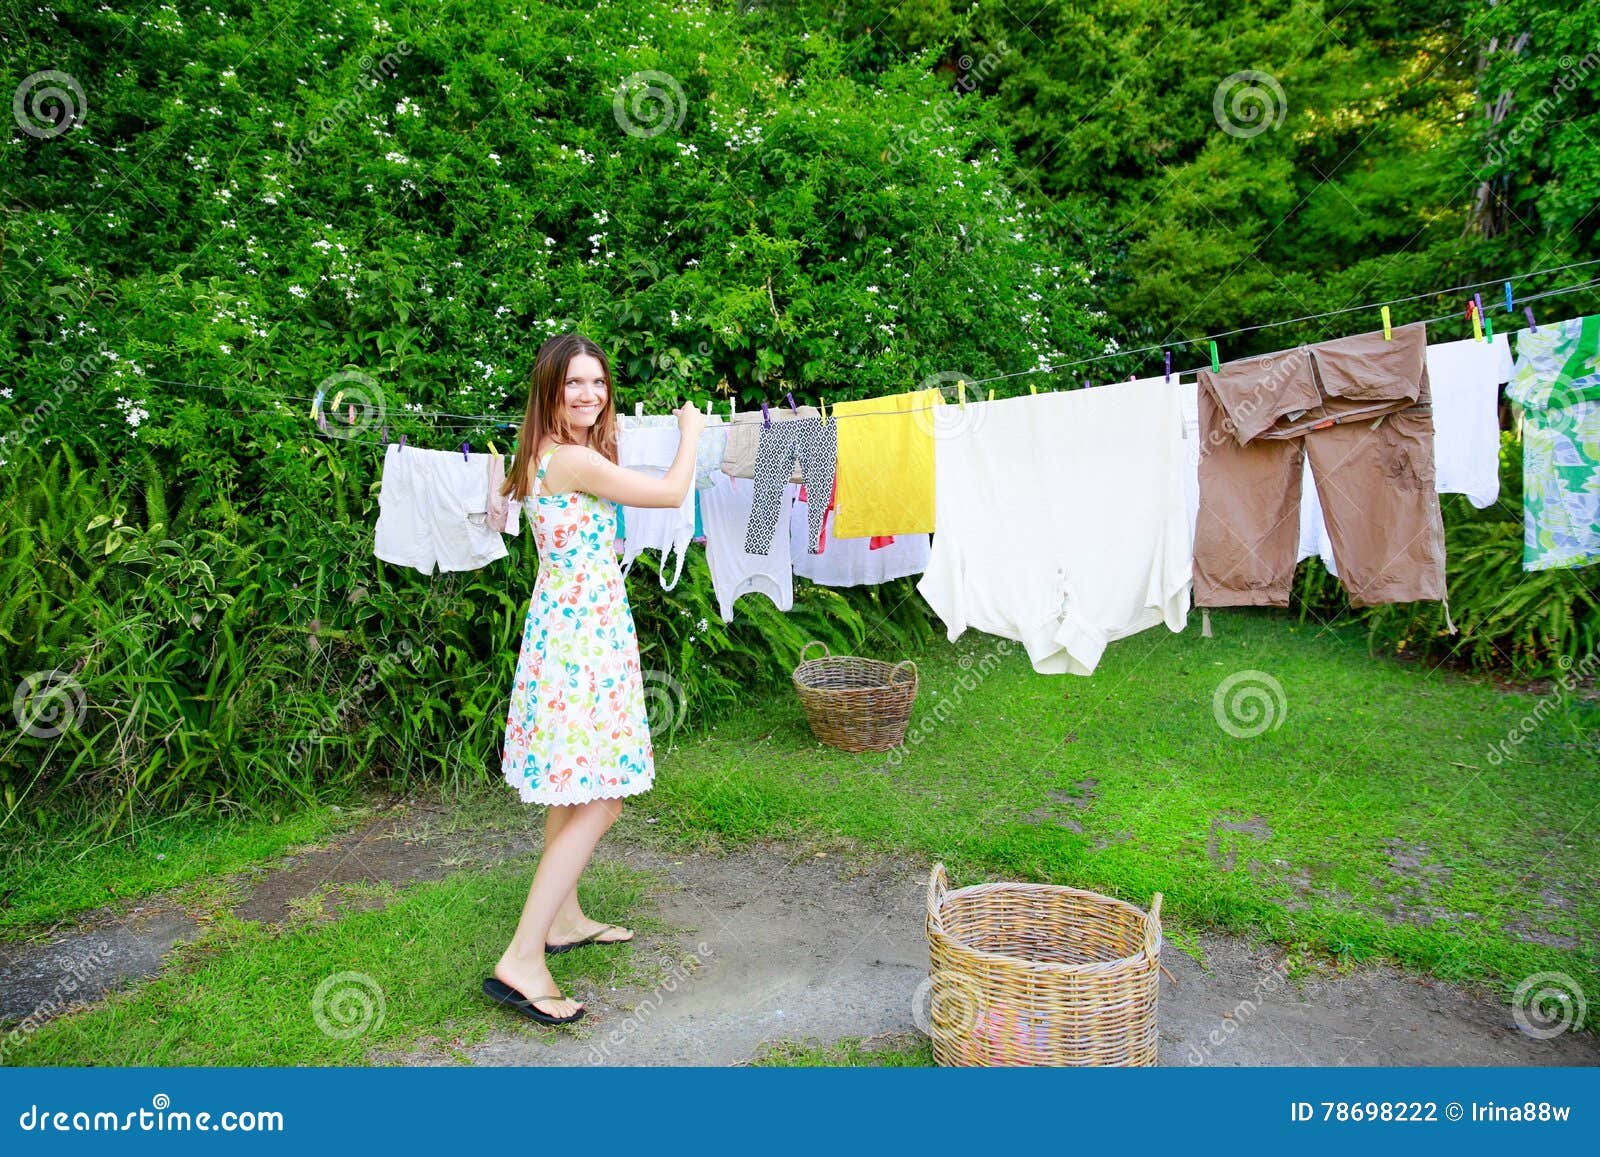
1060 520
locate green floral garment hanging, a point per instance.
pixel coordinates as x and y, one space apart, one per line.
1557 383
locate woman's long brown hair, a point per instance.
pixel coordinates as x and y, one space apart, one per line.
547 412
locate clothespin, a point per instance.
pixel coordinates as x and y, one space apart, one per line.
1167 357
1477 326
1388 333
1509 305
991 393
823 407
733 408
1086 383
1488 328
322 421
316 403
351 419
402 443
464 457
766 417
792 406
1528 312
638 409
386 433
493 449
336 397
708 407
961 393
1215 363
1477 300
1032 388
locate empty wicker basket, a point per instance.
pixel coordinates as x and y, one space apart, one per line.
855 704
1038 974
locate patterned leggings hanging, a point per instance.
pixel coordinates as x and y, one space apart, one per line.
815 442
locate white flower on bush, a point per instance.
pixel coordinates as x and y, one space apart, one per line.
133 411
297 291
397 158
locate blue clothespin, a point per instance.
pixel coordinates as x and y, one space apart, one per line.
766 418
1509 305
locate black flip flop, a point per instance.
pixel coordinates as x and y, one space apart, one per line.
592 938
503 993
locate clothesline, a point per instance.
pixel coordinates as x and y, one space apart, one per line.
1591 284
470 421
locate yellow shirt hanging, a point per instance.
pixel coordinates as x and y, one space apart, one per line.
885 465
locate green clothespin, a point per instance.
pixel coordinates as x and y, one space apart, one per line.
1388 334
1215 364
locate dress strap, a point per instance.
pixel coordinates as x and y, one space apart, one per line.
538 476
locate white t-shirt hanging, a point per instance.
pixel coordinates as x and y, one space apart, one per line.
725 516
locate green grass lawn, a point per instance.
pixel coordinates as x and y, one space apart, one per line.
1369 822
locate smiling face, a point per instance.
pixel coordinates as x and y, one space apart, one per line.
584 393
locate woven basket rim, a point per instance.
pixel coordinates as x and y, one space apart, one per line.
889 683
935 926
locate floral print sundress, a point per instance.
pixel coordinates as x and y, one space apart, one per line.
577 728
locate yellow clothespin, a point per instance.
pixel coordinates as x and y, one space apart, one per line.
961 393
1477 325
991 393
493 449
823 406
336 397
1388 334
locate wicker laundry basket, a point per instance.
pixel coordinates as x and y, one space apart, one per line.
1038 974
855 704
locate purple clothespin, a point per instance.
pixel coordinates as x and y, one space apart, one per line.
766 419
792 406
385 433
464 457
402 443
1528 310
1168 357
1477 300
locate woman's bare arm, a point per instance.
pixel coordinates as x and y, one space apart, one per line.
580 468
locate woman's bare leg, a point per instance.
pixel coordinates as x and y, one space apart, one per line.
522 965
570 923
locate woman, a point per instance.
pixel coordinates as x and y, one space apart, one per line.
577 737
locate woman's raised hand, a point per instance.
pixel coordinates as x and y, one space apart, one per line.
690 421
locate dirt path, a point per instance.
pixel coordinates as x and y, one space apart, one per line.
778 943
